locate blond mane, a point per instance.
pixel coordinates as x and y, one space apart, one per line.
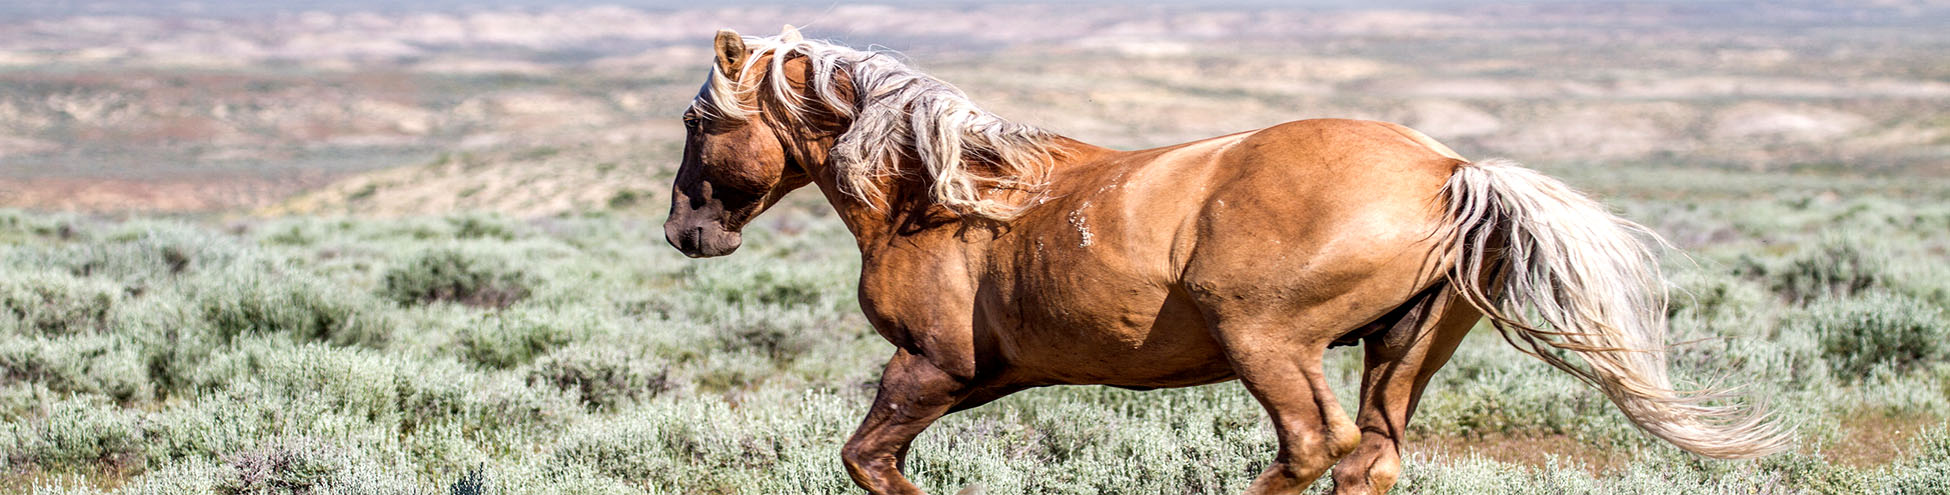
897 112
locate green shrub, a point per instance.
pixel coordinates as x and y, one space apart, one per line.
57 304
453 275
20 399
170 354
139 254
105 365
80 433
1836 267
16 226
389 393
701 445
195 475
294 305
1709 295
283 468
602 376
770 283
1929 471
484 226
770 338
1880 329
511 338
541 479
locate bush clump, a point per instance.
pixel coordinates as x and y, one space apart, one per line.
601 376
1835 268
58 304
79 433
509 339
1709 294
453 275
295 306
139 254
1859 335
106 365
480 226
771 285
279 469
769 338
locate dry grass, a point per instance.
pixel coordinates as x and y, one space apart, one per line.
1872 438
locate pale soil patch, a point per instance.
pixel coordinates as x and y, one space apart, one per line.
120 195
1872 439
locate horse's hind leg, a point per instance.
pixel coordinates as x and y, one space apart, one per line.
1282 369
1399 362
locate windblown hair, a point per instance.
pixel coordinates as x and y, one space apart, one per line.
896 113
1557 274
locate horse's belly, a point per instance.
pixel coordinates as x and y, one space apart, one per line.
1130 338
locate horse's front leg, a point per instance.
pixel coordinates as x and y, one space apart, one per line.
913 394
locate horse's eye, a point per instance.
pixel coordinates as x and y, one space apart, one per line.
690 121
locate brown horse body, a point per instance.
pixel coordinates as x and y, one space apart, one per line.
1243 256
1113 278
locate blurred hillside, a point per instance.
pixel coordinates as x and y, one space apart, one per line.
545 110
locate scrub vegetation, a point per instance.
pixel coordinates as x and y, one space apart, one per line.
484 354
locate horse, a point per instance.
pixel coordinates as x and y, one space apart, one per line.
998 257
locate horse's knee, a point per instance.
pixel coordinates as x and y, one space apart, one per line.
863 463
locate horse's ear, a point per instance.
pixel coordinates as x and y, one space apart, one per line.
791 35
731 52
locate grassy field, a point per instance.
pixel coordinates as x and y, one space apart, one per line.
578 354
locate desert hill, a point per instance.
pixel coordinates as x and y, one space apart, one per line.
547 111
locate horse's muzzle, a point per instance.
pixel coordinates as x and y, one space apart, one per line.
701 240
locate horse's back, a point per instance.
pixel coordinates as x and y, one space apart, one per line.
1318 210
1328 154
1331 171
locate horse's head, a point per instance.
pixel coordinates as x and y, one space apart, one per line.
735 162
877 135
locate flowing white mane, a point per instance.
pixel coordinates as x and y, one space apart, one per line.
896 112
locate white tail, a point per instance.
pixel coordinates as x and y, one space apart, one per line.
1552 268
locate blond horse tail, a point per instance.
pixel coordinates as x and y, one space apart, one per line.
1558 274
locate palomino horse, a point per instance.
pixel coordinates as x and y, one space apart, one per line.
998 257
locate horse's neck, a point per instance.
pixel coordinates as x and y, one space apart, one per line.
909 208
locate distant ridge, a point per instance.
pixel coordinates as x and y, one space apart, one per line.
525 182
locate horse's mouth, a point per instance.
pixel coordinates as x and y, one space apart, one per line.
700 241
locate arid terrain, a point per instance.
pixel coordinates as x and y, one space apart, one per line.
180 113
352 247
